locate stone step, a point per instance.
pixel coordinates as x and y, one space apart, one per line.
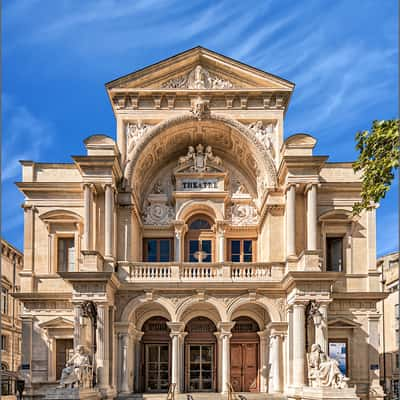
203 396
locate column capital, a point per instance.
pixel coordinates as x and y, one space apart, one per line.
220 227
290 185
263 335
180 227
277 328
310 185
177 328
225 327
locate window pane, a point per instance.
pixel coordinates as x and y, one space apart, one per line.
235 246
247 257
334 254
62 255
71 254
152 250
248 246
200 224
164 250
235 257
206 247
193 249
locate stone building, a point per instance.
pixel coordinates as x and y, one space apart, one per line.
11 331
211 252
389 327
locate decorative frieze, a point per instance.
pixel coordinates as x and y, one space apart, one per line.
198 78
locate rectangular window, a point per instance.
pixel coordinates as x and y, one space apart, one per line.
397 361
4 300
334 254
396 311
157 250
4 342
66 254
242 250
200 250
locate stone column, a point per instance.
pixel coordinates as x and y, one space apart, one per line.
276 363
176 336
178 244
136 361
375 389
87 199
312 217
77 326
263 361
225 335
221 241
123 383
299 344
321 329
291 220
109 217
102 339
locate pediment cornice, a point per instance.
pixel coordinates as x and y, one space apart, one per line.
198 72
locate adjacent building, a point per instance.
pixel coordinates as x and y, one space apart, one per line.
11 330
200 248
390 337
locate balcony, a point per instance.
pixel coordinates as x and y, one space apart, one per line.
204 272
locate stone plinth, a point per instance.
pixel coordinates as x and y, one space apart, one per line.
73 394
323 393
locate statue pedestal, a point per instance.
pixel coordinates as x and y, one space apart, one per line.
73 394
323 393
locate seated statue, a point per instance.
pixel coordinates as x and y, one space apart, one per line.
324 371
76 369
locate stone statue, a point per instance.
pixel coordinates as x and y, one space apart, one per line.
210 156
189 156
324 371
77 369
135 132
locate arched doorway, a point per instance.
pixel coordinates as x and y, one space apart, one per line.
245 355
155 358
200 239
200 356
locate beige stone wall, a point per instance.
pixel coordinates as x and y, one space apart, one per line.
11 265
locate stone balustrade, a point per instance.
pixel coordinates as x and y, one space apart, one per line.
190 272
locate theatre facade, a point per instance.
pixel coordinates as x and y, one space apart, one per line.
200 251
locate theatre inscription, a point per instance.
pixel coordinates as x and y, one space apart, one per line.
199 184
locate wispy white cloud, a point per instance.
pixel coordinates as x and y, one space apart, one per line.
25 136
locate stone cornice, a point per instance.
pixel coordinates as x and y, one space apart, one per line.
50 186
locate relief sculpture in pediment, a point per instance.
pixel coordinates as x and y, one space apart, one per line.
198 78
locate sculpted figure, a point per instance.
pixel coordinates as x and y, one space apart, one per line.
262 134
189 156
324 371
74 371
210 156
158 188
199 78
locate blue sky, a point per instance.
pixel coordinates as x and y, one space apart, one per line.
57 55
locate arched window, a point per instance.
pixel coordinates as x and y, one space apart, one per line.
200 224
200 239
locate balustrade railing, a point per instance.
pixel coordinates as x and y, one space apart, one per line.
184 272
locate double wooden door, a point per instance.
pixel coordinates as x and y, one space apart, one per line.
244 367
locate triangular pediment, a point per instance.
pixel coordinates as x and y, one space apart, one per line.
200 69
342 323
57 323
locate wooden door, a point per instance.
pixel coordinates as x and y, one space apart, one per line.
244 367
64 351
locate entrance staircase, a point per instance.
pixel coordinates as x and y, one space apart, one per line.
204 396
